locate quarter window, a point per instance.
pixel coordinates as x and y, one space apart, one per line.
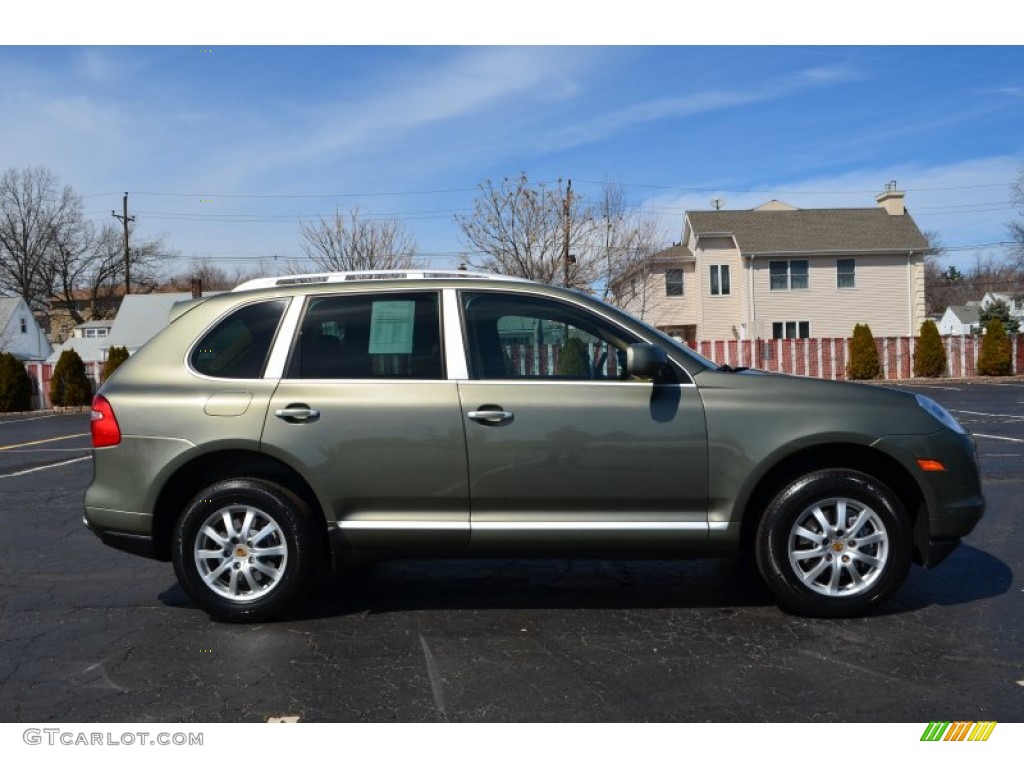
673 282
846 273
791 329
383 336
788 275
720 280
523 337
237 347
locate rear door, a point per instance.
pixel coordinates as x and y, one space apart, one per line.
365 412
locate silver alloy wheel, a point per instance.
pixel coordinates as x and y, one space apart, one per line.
838 547
240 553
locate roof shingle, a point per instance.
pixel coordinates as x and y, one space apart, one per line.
817 230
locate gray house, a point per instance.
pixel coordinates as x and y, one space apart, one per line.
960 320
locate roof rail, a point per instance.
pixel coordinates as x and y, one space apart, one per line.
369 274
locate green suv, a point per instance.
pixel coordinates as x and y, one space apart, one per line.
288 424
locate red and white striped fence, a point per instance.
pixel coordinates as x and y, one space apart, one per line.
819 358
827 358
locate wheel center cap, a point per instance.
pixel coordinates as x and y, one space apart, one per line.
837 546
241 552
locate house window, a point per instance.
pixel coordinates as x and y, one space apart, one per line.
673 282
846 273
788 275
632 287
95 333
720 280
791 329
24 325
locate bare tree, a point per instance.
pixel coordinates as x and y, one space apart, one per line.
943 286
519 229
1017 226
36 213
86 268
212 276
353 241
623 236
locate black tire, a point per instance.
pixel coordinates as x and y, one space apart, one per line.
239 578
834 544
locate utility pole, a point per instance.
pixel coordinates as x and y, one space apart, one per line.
125 219
565 240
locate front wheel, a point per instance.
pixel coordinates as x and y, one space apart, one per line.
244 550
834 543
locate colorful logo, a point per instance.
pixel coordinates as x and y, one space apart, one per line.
958 731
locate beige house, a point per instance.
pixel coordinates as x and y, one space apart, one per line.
782 272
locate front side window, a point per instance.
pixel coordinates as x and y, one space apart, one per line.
791 329
525 337
673 282
846 273
788 275
237 347
720 280
378 336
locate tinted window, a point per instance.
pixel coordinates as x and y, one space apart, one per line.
238 345
394 335
513 337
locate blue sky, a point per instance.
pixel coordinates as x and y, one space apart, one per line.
223 149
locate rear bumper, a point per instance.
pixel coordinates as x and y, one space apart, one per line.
126 531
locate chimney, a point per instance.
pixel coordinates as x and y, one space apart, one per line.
892 200
197 288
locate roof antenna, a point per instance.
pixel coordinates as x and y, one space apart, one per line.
717 203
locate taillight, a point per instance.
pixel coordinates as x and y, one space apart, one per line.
105 430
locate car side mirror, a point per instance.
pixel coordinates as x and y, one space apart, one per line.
645 361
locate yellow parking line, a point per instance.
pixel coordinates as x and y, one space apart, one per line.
39 442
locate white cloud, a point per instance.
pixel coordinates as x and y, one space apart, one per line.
464 85
83 115
611 122
97 66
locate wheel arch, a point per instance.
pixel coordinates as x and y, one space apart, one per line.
859 458
208 468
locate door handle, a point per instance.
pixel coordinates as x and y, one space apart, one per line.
297 413
490 414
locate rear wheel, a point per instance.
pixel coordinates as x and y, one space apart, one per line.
834 543
244 550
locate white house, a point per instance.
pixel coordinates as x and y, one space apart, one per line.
20 334
140 317
1014 301
960 320
780 272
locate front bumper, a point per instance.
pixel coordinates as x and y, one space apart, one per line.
952 499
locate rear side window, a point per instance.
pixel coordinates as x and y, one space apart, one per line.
379 336
238 346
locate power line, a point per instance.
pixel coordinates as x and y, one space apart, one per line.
544 183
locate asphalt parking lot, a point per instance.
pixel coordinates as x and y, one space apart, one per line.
88 634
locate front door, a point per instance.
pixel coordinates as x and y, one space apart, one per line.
565 451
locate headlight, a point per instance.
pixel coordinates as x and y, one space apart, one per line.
944 417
